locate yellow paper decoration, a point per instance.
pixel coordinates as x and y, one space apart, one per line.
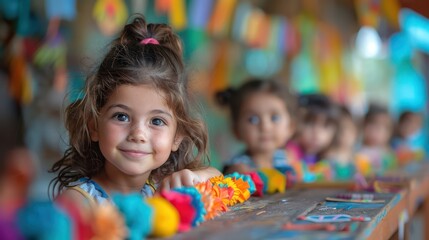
276 180
178 14
166 218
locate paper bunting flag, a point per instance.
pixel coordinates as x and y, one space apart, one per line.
178 14
64 9
163 6
416 27
20 82
221 17
110 15
241 19
200 13
368 12
390 9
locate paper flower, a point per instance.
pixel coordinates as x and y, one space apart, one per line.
137 214
196 202
108 223
183 203
259 184
246 178
166 218
212 202
236 189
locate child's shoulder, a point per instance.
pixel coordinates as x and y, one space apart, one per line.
241 158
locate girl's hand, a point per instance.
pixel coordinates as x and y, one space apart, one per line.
188 177
180 178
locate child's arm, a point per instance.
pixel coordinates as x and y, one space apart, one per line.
188 177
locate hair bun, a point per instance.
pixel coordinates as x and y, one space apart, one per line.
223 98
138 30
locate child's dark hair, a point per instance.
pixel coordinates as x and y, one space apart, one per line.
131 61
314 106
406 115
234 98
373 111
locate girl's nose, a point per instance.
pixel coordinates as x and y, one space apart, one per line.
138 133
265 124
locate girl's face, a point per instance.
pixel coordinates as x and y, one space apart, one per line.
348 133
264 123
377 131
136 130
316 136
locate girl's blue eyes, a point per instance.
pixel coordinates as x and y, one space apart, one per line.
254 120
157 122
122 117
275 118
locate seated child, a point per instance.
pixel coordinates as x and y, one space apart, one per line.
317 125
375 155
132 132
342 152
409 141
261 118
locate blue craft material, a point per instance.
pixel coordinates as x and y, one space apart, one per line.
138 214
348 205
44 221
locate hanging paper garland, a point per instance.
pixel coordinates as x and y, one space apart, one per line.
110 15
221 17
64 9
177 14
200 13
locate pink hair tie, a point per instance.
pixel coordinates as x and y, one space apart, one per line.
149 41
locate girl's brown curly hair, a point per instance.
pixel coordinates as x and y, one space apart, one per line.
131 63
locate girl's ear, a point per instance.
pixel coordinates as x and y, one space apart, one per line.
93 133
177 141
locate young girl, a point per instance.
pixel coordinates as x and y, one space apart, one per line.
409 140
133 131
260 112
318 123
342 152
375 155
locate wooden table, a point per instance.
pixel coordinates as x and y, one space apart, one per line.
264 218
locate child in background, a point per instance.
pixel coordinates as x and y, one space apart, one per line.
375 155
317 125
133 130
409 141
341 155
261 118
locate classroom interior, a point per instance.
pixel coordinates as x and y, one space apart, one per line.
365 60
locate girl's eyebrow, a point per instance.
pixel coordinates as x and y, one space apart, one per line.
118 106
159 111
155 111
